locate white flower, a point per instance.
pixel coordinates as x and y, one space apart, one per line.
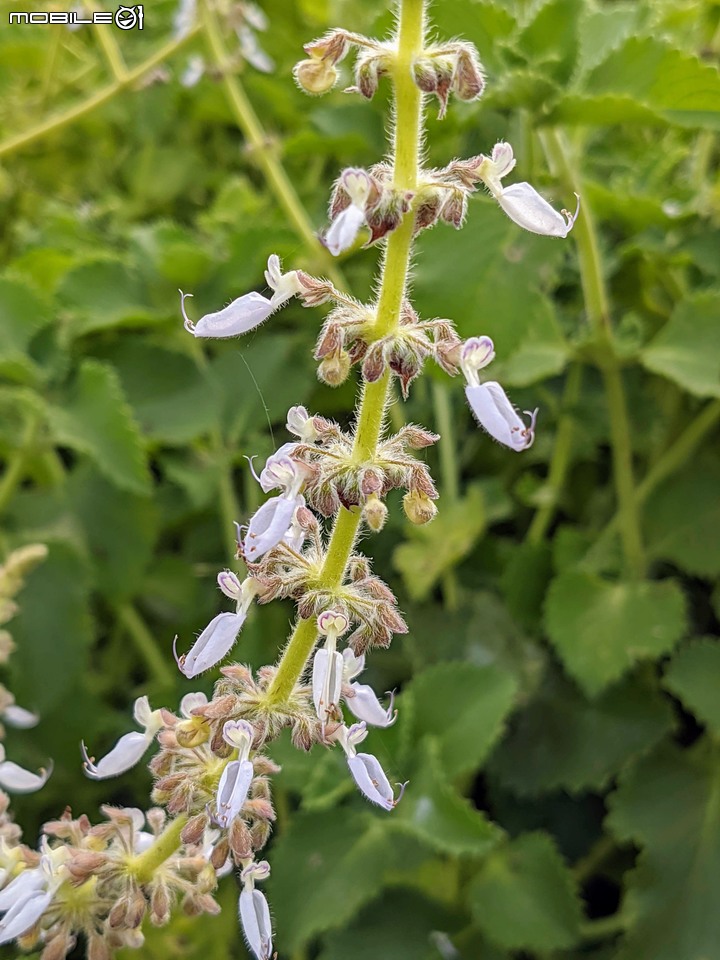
270 525
524 205
129 749
232 791
219 636
366 771
19 717
248 311
495 413
281 472
26 898
326 682
301 424
344 228
193 72
254 911
17 779
229 584
190 702
477 352
521 201
184 18
251 50
365 705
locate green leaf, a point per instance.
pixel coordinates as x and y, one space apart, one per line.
524 896
104 293
562 741
22 314
551 37
603 30
600 629
432 810
682 520
53 630
693 675
398 925
669 803
463 706
676 85
341 860
95 419
687 349
439 546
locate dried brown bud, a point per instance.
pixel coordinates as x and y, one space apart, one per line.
159 905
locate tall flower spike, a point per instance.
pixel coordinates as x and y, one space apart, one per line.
129 749
346 225
248 311
254 911
521 201
219 636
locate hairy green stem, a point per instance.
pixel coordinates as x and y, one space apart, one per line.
248 122
396 265
65 117
145 864
596 303
561 456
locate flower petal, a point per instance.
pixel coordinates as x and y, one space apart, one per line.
21 887
17 779
524 205
496 414
20 717
326 682
213 644
232 791
371 780
24 914
255 919
366 706
126 753
344 229
269 525
242 315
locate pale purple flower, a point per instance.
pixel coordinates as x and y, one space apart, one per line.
232 791
17 779
130 748
246 312
346 225
26 898
190 702
496 415
353 665
281 472
19 717
239 734
521 201
219 636
193 72
270 525
251 50
524 205
476 353
254 911
326 682
366 771
365 705
184 18
301 424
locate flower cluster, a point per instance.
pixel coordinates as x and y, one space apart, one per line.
212 769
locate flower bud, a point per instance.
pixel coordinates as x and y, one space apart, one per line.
419 508
375 513
469 80
191 733
315 77
335 368
193 830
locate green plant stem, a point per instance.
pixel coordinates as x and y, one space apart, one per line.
449 474
111 50
396 264
672 460
248 122
145 643
596 304
560 461
16 467
65 117
144 865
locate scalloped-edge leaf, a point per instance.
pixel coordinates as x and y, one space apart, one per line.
600 629
524 896
669 803
687 349
96 419
23 313
693 675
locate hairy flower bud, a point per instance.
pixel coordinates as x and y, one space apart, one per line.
335 368
314 76
375 513
419 508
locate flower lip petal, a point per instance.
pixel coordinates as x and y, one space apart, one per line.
19 717
243 314
24 914
269 525
371 780
525 207
495 414
256 924
232 791
17 779
126 753
366 706
21 886
213 644
342 232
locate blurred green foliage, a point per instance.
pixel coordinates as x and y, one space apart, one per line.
558 721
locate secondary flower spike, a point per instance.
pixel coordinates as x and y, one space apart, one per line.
246 312
129 749
521 201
